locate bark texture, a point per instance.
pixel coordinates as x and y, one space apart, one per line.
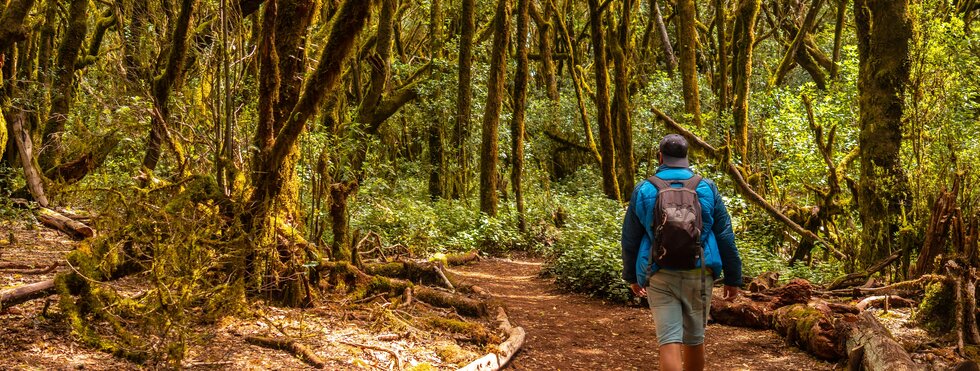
687 42
610 185
883 32
491 114
743 40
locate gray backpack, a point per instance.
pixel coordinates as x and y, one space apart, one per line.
676 224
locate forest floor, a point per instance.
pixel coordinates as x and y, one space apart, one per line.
576 332
564 331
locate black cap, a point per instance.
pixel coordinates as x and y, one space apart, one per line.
674 150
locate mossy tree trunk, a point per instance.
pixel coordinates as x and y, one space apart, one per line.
272 164
721 24
687 41
63 84
610 185
464 98
163 85
12 23
664 38
491 113
437 156
884 30
378 103
520 104
623 124
743 40
546 45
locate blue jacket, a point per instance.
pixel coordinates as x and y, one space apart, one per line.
720 253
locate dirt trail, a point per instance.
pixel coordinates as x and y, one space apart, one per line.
576 332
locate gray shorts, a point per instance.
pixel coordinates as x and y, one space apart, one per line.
678 305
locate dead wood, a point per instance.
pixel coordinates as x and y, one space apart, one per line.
63 223
375 284
755 310
462 304
811 327
289 345
398 359
764 281
904 288
22 140
465 258
26 269
864 333
858 278
885 301
428 273
18 295
937 233
505 351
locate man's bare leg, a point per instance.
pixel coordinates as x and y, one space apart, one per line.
670 357
694 357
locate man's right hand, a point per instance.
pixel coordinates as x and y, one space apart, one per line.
637 290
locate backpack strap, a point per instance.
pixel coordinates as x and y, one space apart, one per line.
658 182
693 182
662 184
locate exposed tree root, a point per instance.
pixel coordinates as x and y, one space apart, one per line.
289 345
505 351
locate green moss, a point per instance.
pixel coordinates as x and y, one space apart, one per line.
937 308
473 331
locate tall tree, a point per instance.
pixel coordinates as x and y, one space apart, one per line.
163 84
63 86
610 185
520 103
884 30
621 51
721 22
437 157
688 41
743 40
271 164
464 95
658 18
491 113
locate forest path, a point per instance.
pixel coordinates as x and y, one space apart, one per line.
576 332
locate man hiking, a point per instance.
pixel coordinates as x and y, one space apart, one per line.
677 238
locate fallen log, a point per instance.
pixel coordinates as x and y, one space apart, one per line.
460 259
25 269
811 327
863 333
755 310
886 301
904 288
289 345
427 273
17 295
462 304
505 351
63 223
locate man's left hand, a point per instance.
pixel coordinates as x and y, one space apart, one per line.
730 293
637 290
